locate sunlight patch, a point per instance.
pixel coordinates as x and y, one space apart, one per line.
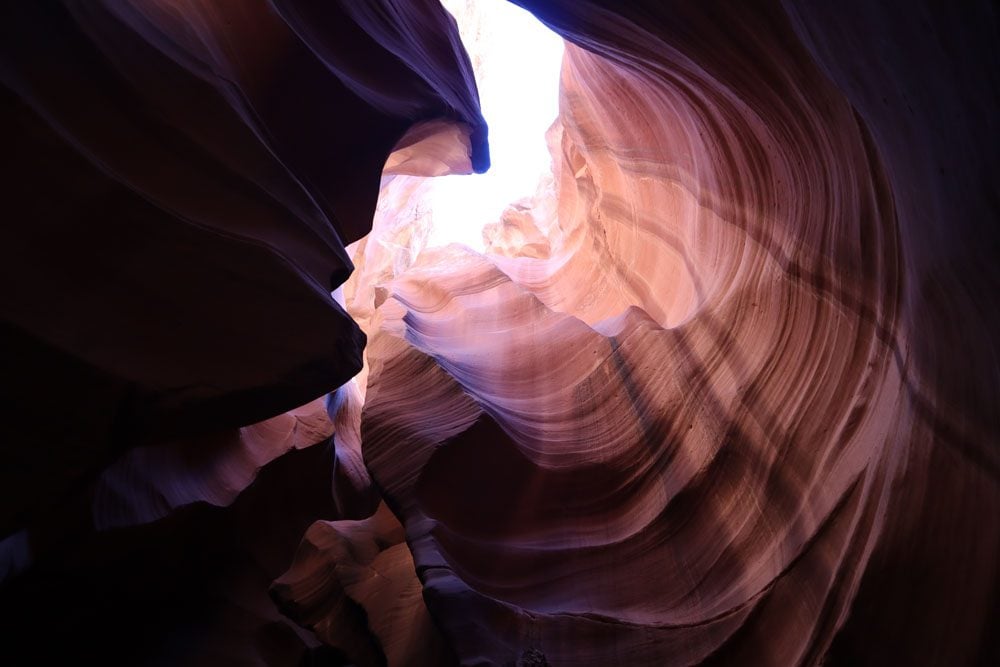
517 61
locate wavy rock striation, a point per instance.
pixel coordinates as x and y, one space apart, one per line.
722 392
707 408
183 178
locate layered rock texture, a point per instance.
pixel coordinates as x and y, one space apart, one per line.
724 392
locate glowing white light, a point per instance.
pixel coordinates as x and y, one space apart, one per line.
517 62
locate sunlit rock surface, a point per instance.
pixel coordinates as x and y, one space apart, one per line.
687 408
723 391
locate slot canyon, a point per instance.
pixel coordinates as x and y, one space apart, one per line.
722 387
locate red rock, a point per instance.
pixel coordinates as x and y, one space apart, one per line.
723 392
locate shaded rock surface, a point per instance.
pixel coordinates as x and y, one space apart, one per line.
723 392
181 181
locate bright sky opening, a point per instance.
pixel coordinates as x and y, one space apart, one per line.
517 62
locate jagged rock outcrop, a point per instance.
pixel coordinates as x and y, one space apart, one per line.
353 584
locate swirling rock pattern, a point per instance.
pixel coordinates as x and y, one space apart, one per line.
182 179
723 392
165 132
697 420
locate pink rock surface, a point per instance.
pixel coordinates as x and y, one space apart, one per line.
148 483
722 392
353 583
695 419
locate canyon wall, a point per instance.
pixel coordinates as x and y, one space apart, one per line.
723 392
181 179
689 414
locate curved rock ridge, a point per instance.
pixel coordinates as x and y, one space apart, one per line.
687 407
183 178
353 583
723 392
641 446
148 483
210 162
199 154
